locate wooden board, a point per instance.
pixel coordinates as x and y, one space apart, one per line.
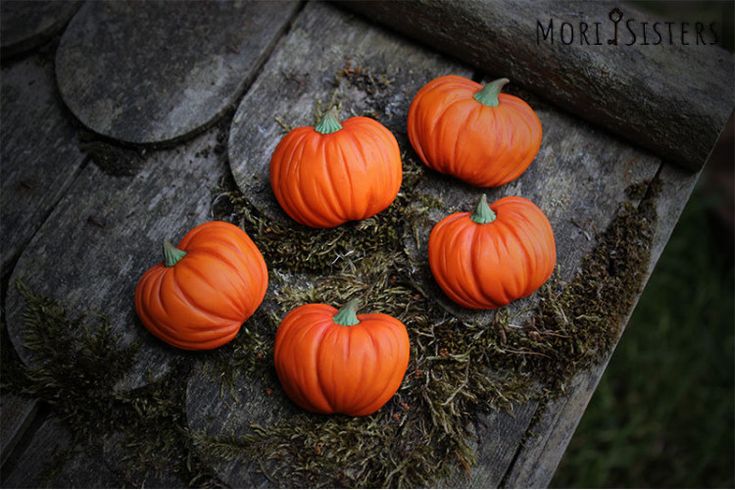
52 460
153 72
670 98
538 458
39 156
579 179
26 25
107 231
16 415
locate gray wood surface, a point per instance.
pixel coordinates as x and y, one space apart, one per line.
26 25
107 229
672 99
53 460
105 232
16 415
302 77
556 422
579 179
153 72
39 155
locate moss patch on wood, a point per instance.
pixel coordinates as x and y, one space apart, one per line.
457 368
79 362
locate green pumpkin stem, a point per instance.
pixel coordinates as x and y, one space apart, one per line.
488 95
171 254
483 214
347 315
329 123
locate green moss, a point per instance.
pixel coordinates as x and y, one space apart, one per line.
78 361
457 368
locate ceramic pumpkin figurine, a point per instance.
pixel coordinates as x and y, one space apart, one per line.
331 361
475 133
499 253
205 289
332 173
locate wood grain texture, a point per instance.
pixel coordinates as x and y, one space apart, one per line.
671 99
26 25
307 72
578 179
16 415
52 460
39 155
153 72
556 422
106 232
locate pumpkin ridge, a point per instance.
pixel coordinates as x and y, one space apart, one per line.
320 343
204 279
346 165
190 299
213 250
281 170
330 196
389 380
379 171
475 252
438 124
290 323
459 287
167 331
294 201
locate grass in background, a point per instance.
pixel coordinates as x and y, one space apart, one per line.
662 415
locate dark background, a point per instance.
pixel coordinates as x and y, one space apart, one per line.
664 412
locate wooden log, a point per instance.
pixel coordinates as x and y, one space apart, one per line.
27 25
107 231
669 98
39 155
155 72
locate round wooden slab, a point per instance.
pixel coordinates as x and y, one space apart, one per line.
157 71
329 56
104 234
26 25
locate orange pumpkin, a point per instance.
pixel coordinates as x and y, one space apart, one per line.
205 289
493 256
333 173
475 133
339 362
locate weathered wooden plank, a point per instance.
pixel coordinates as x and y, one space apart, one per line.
670 98
52 460
328 56
556 422
155 72
26 25
225 410
580 178
39 156
16 415
107 231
